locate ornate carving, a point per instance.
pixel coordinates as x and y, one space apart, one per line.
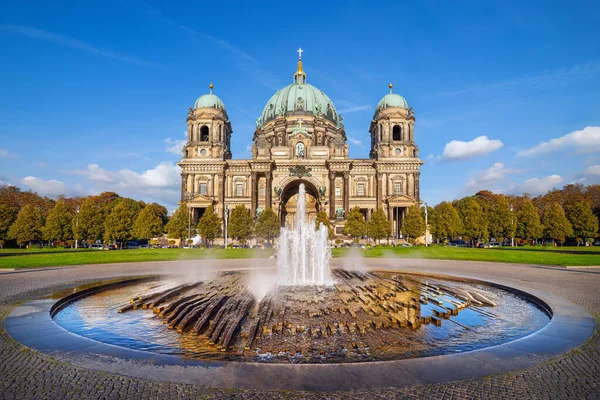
332 175
300 171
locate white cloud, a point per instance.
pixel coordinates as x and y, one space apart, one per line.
356 142
458 150
583 141
76 44
175 146
493 178
430 157
355 108
539 185
7 154
50 187
594 170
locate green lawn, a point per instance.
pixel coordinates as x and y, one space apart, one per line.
11 258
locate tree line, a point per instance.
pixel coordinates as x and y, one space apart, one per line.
568 213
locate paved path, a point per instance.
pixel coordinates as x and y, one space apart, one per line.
26 374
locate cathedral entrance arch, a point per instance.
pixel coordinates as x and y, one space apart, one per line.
289 201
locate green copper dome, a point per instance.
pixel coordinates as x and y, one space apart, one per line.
299 99
209 101
391 100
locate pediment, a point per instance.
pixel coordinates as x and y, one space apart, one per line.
400 199
200 199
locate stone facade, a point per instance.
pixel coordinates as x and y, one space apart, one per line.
300 138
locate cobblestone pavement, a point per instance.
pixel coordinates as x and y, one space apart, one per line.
25 374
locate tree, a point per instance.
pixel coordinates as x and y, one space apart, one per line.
529 225
59 223
500 219
323 218
177 227
267 225
556 225
379 226
88 225
149 223
445 221
413 224
473 219
119 223
209 225
28 225
240 224
356 226
8 215
583 221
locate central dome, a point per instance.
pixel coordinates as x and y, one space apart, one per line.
299 99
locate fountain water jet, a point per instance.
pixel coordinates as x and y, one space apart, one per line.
303 254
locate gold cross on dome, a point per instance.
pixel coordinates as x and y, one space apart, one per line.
300 51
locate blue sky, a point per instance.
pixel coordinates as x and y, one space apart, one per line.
94 95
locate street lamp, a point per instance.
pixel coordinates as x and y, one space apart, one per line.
77 225
426 224
226 219
512 227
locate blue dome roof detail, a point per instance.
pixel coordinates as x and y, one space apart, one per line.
391 100
298 99
209 101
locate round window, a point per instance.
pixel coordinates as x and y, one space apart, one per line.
203 152
398 151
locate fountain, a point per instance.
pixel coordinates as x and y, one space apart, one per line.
303 253
312 315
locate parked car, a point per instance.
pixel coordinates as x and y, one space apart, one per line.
96 246
494 244
596 242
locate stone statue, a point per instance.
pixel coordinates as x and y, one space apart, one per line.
411 112
300 150
339 213
277 190
190 112
322 190
258 211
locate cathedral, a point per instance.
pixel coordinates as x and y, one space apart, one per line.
300 138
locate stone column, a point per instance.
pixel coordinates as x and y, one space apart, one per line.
268 189
253 194
346 192
331 194
417 185
183 185
391 219
369 214
220 194
379 190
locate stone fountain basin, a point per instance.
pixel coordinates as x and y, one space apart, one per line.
571 325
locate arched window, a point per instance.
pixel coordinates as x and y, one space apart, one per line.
397 133
204 134
300 149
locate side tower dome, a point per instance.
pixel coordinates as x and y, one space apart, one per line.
209 129
392 128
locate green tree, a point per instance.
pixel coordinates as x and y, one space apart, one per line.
413 224
555 223
28 225
240 224
445 221
267 225
149 223
88 225
583 221
379 226
323 218
529 225
177 227
8 215
119 223
500 219
209 225
59 223
473 220
355 226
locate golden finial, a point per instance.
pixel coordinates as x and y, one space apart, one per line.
300 76
390 86
211 86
